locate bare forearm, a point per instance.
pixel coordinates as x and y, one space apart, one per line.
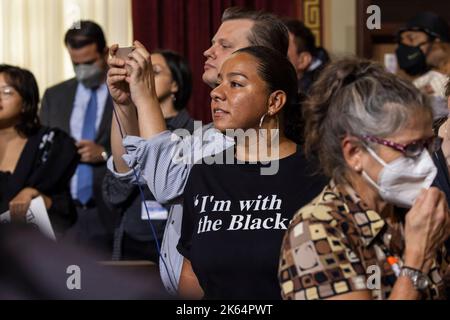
404 290
151 120
128 126
188 287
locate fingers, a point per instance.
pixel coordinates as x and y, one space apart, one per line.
18 210
141 55
84 150
81 144
116 62
117 72
135 69
421 197
86 155
140 52
430 200
113 49
84 143
116 79
138 45
116 75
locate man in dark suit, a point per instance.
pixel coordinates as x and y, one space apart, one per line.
83 108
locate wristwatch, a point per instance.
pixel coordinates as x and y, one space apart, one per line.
105 155
419 280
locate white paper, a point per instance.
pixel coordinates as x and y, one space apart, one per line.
155 210
36 215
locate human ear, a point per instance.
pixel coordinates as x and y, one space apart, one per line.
174 87
352 152
277 100
304 61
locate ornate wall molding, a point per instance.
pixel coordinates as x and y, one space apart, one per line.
311 13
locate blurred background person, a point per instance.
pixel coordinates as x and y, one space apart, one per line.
34 160
308 59
82 107
133 239
421 55
416 41
33 268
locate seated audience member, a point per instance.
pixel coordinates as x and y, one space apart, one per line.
308 60
134 239
377 230
235 216
34 160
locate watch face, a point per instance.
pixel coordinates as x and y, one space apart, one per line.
422 282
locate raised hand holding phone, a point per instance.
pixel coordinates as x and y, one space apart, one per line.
117 74
141 78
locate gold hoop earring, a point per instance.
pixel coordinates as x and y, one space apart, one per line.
261 121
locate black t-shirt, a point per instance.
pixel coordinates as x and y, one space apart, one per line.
234 220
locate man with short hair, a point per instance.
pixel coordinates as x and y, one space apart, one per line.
152 158
308 59
82 107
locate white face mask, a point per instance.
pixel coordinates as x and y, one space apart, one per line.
401 181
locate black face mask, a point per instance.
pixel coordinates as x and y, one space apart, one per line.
411 59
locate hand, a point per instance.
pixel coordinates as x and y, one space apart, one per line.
427 226
90 151
428 89
118 87
19 205
141 78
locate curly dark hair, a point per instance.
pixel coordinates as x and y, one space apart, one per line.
24 82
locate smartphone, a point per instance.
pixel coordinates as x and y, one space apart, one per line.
122 53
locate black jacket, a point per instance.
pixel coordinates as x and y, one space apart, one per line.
56 111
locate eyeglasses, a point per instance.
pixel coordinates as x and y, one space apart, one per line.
413 149
6 92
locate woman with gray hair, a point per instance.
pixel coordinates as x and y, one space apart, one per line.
377 230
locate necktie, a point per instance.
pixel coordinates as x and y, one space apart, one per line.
85 171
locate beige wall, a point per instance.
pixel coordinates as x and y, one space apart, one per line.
32 32
340 26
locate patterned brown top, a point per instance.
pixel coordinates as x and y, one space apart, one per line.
336 245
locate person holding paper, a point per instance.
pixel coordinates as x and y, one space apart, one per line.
34 160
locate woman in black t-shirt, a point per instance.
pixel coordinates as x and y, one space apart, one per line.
235 215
